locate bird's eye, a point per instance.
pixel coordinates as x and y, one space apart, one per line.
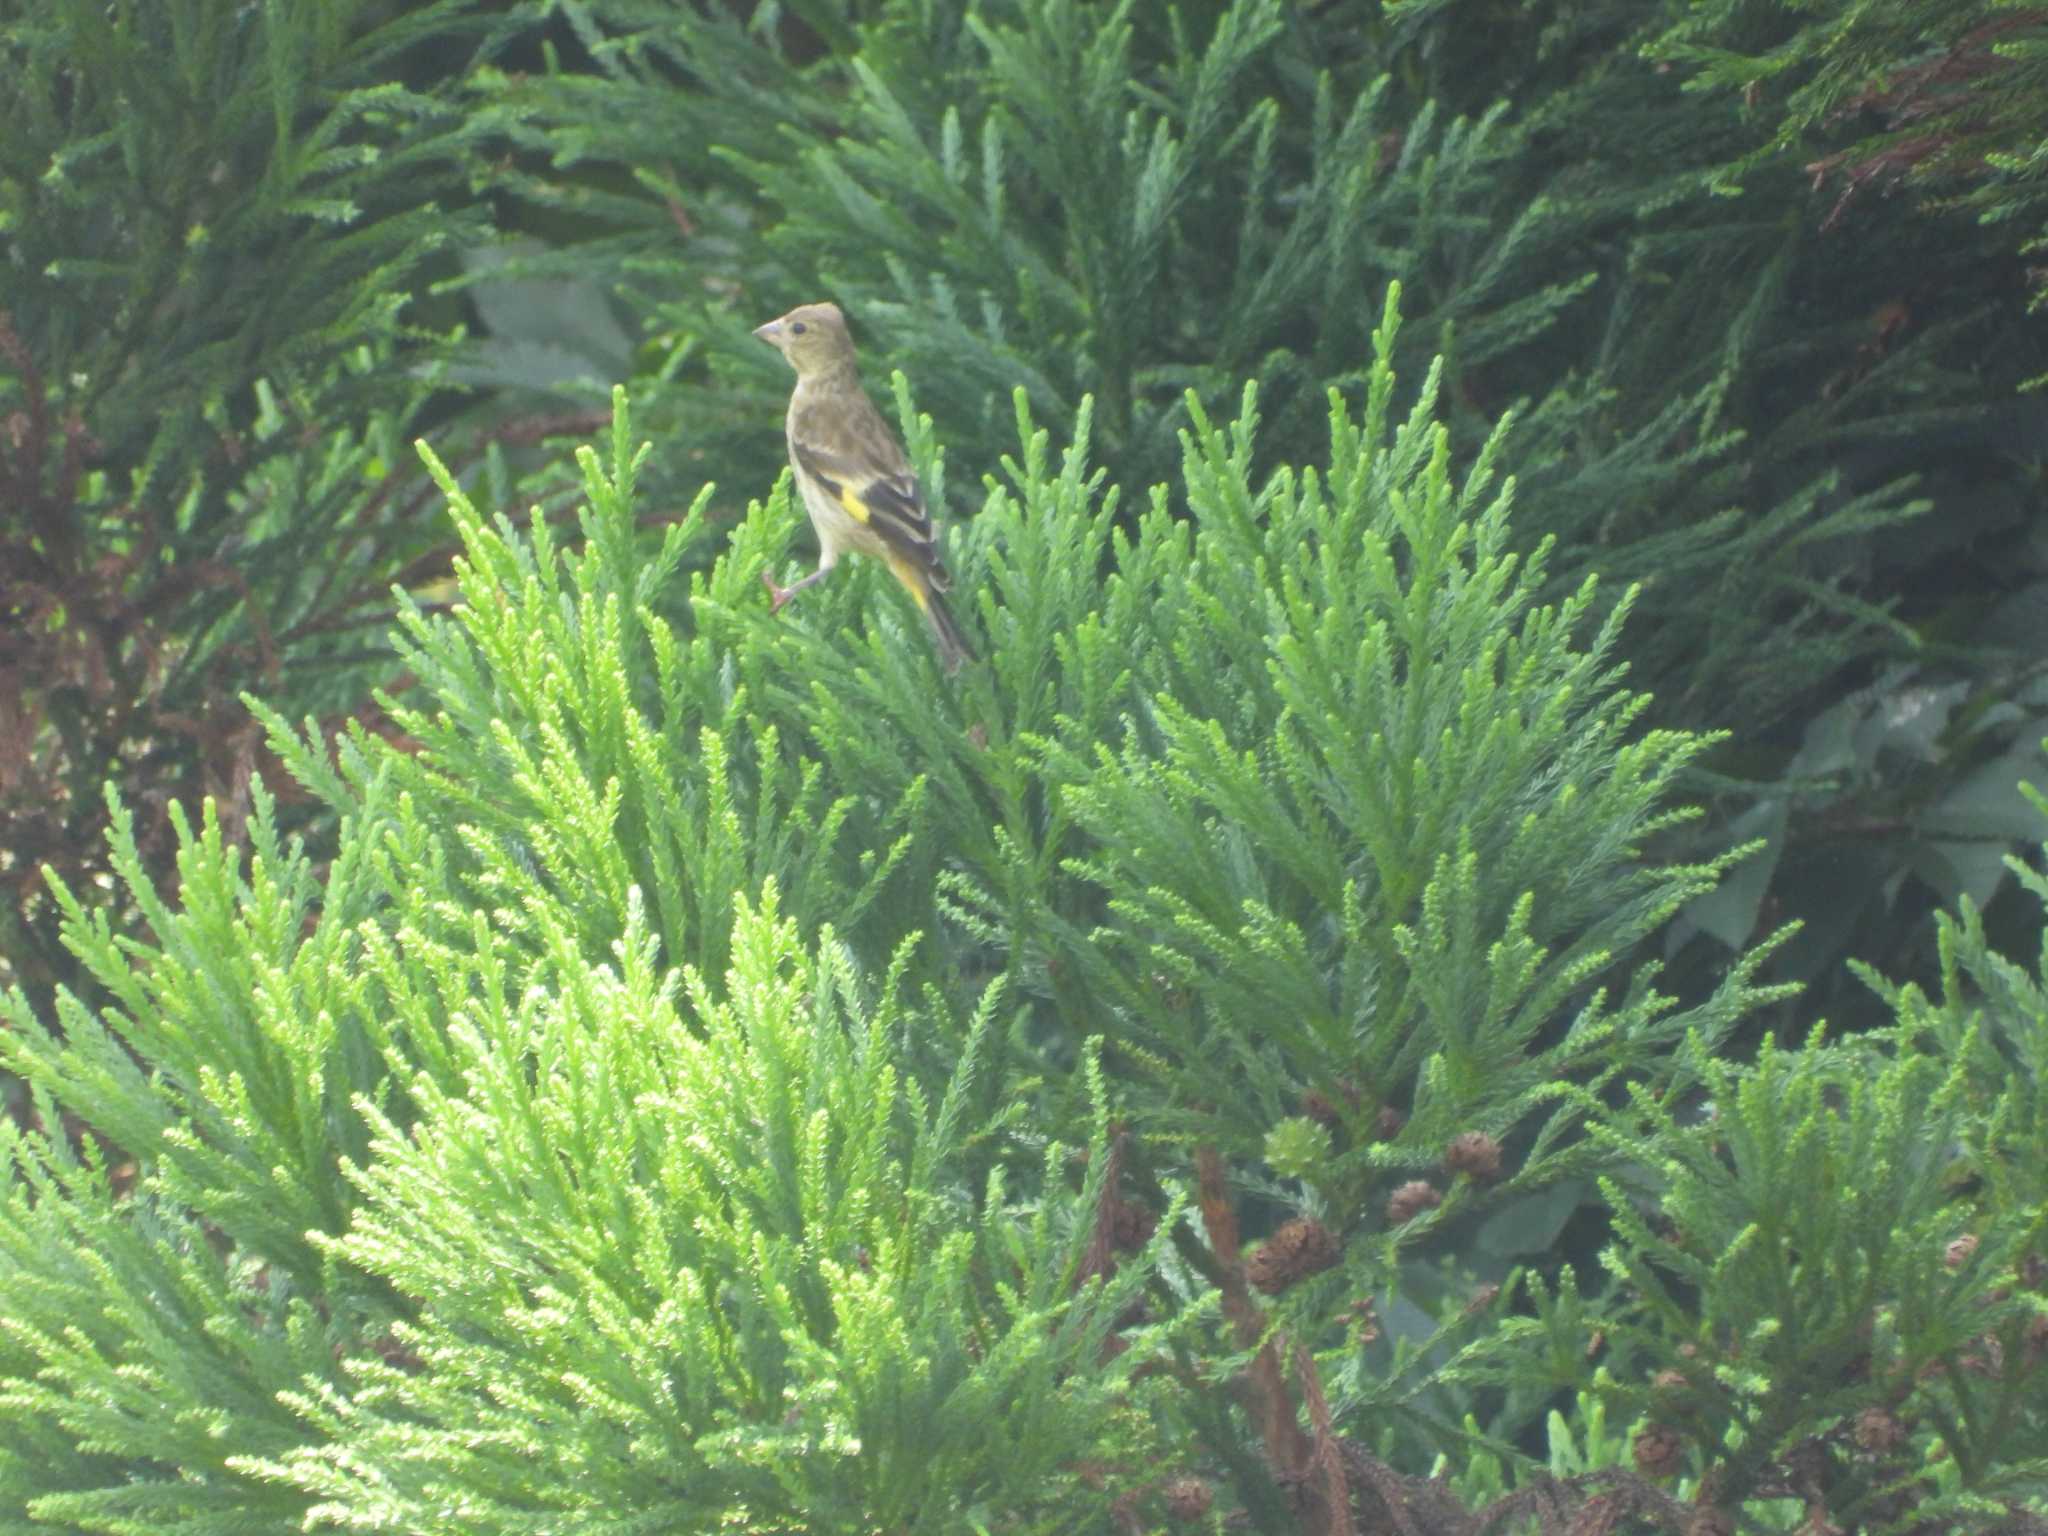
796 328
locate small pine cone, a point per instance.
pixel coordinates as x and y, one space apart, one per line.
1298 1249
1187 1498
1710 1520
2036 1338
1959 1251
1668 1381
1482 1298
388 1349
1599 1516
1879 1431
1131 1226
1389 1122
1985 1364
1474 1153
1317 1106
1411 1200
1658 1451
1805 1465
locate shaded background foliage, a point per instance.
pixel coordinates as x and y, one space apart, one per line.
217 227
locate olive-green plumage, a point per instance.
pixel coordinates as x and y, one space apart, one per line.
852 474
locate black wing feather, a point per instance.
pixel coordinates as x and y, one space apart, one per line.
895 503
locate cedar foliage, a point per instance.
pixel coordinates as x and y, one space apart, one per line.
215 220
1945 97
714 1075
1803 449
726 1079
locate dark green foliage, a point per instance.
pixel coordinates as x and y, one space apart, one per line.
215 219
1864 1280
1948 97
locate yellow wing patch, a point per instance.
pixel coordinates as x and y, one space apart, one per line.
855 507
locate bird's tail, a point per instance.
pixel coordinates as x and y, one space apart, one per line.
953 646
922 581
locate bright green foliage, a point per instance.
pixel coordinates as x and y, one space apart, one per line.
149 1334
698 1258
140 1353
253 1030
1993 1018
730 1078
715 1234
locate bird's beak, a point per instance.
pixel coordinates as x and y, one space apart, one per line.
770 333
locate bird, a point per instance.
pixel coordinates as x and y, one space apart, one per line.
855 481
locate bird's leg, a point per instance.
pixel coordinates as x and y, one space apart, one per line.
781 595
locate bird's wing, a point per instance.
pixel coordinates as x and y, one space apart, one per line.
890 502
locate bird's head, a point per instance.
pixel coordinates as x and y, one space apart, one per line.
813 338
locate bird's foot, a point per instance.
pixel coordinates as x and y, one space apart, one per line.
777 595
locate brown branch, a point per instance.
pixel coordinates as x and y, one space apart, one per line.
1329 1457
1289 1451
1100 1259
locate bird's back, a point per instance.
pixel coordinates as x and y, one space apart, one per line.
834 409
